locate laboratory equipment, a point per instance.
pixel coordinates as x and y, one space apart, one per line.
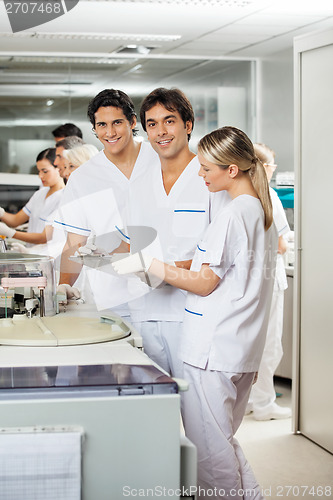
27 285
125 408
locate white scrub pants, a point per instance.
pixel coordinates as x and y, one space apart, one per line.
161 344
214 407
263 391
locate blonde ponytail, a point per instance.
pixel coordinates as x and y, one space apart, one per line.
260 183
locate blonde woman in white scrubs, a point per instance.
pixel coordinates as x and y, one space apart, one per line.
229 288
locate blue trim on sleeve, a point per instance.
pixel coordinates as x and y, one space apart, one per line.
195 211
192 312
27 209
285 227
69 225
201 249
123 234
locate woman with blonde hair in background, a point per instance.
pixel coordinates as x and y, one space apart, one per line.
77 156
262 398
229 289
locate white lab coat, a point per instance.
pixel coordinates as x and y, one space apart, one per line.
222 342
39 208
180 219
94 202
263 392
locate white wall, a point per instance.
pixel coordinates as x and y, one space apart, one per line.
276 107
314 272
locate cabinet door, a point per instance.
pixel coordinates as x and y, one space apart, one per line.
315 239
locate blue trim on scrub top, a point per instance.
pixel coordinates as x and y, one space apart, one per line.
123 234
285 227
41 218
196 211
27 209
201 249
69 225
192 312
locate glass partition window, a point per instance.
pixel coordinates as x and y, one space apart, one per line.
38 94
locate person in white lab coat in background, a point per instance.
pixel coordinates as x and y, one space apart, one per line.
66 130
62 147
229 286
37 212
262 400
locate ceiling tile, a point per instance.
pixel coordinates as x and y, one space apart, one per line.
289 20
228 36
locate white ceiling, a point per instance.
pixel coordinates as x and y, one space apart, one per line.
207 28
35 62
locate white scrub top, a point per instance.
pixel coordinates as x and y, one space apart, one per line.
95 197
226 330
180 219
282 226
40 209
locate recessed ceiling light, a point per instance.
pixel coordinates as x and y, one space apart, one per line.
134 49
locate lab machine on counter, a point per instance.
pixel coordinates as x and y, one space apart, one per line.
84 413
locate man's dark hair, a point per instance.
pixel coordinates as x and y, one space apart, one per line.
66 130
116 99
70 142
172 100
47 154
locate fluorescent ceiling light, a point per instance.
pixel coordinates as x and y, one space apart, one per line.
137 37
66 60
